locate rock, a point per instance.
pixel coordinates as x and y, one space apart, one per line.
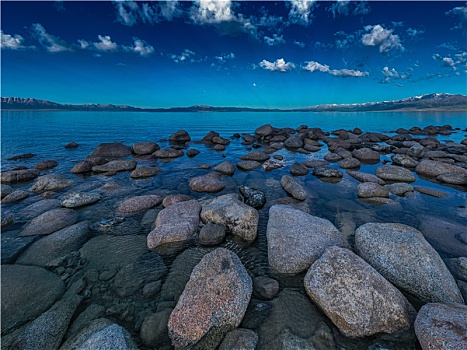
315 163
402 256
292 187
47 331
326 171
296 239
176 223
175 198
240 339
265 287
399 188
431 192
253 197
145 171
404 160
332 157
212 234
210 183
371 189
180 136
56 245
27 291
458 267
6 190
192 153
349 163
293 142
15 196
395 173
101 334
219 148
240 219
356 298
79 199
453 178
365 177
442 326
270 165
71 145
51 182
115 166
15 176
214 301
168 153
209 136
7 220
366 155
298 169
380 201
434 168
37 208
22 156
225 168
258 156
50 221
151 289
142 148
111 150
248 165
139 203
46 165
92 312
154 332
82 167
264 130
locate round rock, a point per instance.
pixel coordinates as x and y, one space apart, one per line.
395 173
79 199
50 221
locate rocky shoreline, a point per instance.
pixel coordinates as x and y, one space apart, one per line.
275 248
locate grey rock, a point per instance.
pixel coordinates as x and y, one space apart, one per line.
298 169
141 148
434 168
168 153
111 150
402 256
365 177
296 239
139 203
209 136
115 166
15 196
151 289
92 312
292 187
395 173
37 208
225 168
7 219
82 167
265 287
253 197
371 189
46 165
356 298
210 183
79 199
15 176
50 221
51 182
154 332
326 171
5 190
404 160
258 156
332 157
175 198
180 136
453 178
400 188
192 152
240 339
315 163
270 165
349 163
240 219
366 155
458 267
214 301
248 165
264 130
175 223
431 192
145 171
442 326
293 142
212 234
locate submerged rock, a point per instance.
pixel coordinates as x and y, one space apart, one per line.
225 168
139 203
253 197
50 221
51 182
210 183
15 196
168 153
15 176
111 150
79 199
46 165
293 187
115 166
212 234
144 171
365 177
248 165
240 339
371 189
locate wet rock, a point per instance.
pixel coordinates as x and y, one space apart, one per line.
79 199
142 148
442 326
176 223
264 130
180 136
404 160
332 157
357 299
51 182
56 245
240 339
395 173
139 203
210 183
270 165
209 136
240 219
212 234
248 165
220 141
349 163
15 196
292 187
168 153
27 291
293 142
366 155
192 153
82 167
258 156
315 163
15 176
6 190
7 219
402 256
225 168
365 177
46 165
50 221
380 201
219 148
296 239
400 188
175 198
434 168
253 197
154 332
71 145
458 267
298 169
214 301
37 208
453 178
431 192
22 156
145 171
265 287
111 150
115 166
371 189
151 289
92 312
326 171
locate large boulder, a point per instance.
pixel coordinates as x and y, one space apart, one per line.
142 148
51 182
442 326
27 291
395 173
402 256
434 168
357 299
296 239
37 208
293 187
264 130
82 167
241 219
248 165
366 155
258 156
293 142
453 178
181 136
15 176
168 153
115 166
225 168
145 171
210 183
111 150
214 301
79 199
50 221
15 196
139 203
176 223
371 189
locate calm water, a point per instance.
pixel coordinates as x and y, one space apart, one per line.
46 133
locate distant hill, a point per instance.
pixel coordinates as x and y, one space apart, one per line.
423 102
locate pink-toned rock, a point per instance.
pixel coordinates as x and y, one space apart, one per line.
435 168
210 183
175 198
139 203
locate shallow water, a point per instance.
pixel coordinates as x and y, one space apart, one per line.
118 242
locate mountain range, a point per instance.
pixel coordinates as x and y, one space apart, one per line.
417 103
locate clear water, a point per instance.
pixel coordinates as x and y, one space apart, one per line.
46 133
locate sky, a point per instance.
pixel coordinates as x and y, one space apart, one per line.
284 54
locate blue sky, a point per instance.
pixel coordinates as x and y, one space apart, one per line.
224 53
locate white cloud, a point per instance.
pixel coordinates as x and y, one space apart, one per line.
50 42
83 44
275 40
170 9
381 37
347 7
212 11
461 13
12 42
130 12
278 66
460 62
299 44
344 40
105 43
300 11
141 47
127 12
313 66
225 57
391 74
414 32
187 56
